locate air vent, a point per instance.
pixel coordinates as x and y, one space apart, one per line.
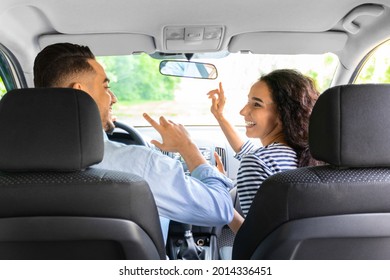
163 152
222 153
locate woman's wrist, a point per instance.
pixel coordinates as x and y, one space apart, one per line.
220 118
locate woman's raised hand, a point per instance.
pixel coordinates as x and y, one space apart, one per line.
218 100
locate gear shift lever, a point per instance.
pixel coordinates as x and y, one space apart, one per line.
188 249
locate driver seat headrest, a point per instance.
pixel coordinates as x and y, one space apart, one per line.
57 129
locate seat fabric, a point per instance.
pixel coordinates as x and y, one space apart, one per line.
53 204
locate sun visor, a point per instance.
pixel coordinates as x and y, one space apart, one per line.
104 44
288 42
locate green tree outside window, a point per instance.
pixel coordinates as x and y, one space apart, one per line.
2 88
377 67
136 79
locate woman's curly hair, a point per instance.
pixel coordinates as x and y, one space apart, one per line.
294 95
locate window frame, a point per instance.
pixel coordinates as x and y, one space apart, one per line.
363 62
10 70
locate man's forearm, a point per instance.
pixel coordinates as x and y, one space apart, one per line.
192 156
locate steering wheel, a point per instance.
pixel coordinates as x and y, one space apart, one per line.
131 137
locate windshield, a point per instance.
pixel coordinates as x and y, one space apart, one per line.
139 86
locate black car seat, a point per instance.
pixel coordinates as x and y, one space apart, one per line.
340 210
53 205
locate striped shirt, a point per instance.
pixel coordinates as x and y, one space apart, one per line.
257 164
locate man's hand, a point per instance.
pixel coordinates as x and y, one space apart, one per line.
174 136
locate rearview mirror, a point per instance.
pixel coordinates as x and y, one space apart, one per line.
188 69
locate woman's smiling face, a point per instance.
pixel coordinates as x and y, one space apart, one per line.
260 114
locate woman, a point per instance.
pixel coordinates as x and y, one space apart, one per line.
277 113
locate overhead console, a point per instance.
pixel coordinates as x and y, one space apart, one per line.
193 38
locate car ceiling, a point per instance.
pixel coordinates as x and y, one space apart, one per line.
345 27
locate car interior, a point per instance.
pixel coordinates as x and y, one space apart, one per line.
181 50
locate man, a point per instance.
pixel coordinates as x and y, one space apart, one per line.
200 199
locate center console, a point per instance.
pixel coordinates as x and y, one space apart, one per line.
205 239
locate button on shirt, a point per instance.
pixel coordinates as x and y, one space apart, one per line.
201 199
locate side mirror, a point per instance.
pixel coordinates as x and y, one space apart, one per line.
188 69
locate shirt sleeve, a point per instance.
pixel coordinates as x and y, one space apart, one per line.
207 173
246 148
201 199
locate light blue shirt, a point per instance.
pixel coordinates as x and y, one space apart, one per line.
201 199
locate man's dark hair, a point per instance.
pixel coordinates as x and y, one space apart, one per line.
56 63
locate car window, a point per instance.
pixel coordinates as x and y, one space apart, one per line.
375 67
140 87
7 79
3 90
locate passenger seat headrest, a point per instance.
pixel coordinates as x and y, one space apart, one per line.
56 129
350 126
